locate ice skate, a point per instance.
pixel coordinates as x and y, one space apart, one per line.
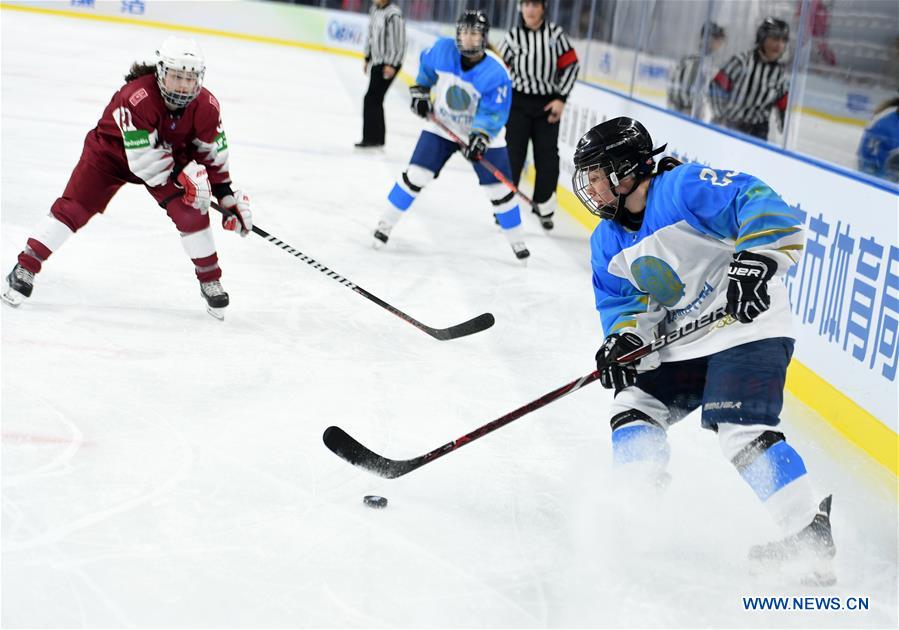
808 553
546 220
216 298
521 250
382 234
18 286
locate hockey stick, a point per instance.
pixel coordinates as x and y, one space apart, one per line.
346 447
470 327
493 170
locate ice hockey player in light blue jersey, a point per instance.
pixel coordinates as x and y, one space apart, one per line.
679 241
468 89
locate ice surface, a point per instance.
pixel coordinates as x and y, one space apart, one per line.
163 469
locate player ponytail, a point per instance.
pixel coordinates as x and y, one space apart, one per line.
666 164
139 70
893 102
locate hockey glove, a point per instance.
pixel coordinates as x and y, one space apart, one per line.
477 144
237 216
614 375
747 291
421 100
195 183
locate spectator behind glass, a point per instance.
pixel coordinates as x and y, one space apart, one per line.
878 151
691 77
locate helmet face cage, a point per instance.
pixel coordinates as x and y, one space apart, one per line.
599 195
772 27
181 61
473 22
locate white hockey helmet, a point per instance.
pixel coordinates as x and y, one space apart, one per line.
184 60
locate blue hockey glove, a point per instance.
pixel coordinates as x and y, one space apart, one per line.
747 291
613 375
421 100
477 144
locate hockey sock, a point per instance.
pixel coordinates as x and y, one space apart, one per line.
49 235
200 247
641 442
405 190
505 205
777 475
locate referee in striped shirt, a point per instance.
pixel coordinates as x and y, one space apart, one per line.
385 49
752 83
544 69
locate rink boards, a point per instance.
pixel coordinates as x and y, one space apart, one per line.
844 292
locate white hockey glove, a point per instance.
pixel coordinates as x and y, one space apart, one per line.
237 216
195 183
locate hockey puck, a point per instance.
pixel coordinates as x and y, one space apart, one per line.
374 501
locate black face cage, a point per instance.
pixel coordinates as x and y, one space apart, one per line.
475 28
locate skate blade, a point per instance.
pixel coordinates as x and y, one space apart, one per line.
12 297
806 571
218 313
376 244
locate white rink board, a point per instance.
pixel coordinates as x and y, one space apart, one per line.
845 291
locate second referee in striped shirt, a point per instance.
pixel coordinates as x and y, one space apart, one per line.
544 69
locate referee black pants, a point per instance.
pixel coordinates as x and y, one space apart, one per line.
373 129
528 123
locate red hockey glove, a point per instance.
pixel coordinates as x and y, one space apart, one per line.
195 183
237 216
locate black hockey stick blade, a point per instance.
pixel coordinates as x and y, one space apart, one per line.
348 448
470 327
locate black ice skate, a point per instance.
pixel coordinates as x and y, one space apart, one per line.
19 285
810 552
546 220
382 234
521 250
216 298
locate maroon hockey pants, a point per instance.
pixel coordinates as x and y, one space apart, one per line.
90 190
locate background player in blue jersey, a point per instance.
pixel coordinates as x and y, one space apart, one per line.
878 151
679 241
468 89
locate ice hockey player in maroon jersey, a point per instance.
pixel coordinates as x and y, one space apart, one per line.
162 130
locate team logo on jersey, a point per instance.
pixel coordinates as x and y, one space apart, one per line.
137 97
457 98
656 277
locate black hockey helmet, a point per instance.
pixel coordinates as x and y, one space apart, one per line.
475 21
713 29
772 27
619 148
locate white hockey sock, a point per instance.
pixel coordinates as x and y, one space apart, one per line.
515 234
198 244
51 232
391 215
793 506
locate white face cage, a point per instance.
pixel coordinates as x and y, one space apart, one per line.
595 185
179 71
